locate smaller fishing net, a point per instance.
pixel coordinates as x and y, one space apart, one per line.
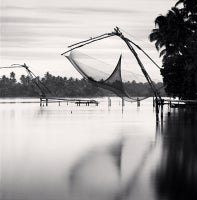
105 76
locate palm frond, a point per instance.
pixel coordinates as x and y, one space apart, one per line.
179 2
162 53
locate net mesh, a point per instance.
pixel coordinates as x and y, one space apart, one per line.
107 77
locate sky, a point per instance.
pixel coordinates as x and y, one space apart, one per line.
36 32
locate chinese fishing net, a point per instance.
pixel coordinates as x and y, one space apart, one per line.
121 82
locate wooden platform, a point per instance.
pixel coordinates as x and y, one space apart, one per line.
174 103
78 102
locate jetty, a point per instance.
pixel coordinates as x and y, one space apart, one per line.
78 102
175 103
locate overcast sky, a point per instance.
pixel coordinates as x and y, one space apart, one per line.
36 32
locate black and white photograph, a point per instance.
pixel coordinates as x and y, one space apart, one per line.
98 100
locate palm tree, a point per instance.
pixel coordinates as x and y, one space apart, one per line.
12 77
171 33
175 36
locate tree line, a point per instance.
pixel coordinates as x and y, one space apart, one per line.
64 87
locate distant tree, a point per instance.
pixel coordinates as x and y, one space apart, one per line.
12 77
24 80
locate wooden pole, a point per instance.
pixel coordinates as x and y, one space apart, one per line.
40 102
123 103
153 102
138 102
162 104
157 109
109 102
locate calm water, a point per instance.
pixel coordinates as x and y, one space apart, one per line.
97 153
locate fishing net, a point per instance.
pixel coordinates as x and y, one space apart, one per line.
123 83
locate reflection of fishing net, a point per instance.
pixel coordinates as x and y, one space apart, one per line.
127 85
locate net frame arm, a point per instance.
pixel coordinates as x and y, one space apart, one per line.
86 42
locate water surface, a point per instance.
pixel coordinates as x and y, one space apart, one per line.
96 152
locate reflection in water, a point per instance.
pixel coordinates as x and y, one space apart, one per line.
176 177
97 175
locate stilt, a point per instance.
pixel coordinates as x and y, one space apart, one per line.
123 103
162 104
40 102
109 102
169 109
153 102
138 102
157 109
59 103
46 102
